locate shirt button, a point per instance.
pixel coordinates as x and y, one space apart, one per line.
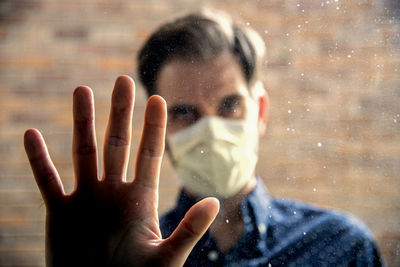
212 255
261 228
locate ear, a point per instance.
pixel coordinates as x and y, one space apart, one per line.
263 108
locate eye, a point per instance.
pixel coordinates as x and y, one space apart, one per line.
183 114
232 107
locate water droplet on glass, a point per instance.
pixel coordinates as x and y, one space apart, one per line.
212 255
304 233
294 212
202 151
227 221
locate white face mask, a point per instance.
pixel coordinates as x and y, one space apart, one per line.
216 156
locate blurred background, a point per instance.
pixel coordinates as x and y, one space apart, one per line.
332 72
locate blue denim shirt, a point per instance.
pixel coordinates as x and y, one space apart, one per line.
279 232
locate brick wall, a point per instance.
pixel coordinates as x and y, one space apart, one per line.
333 76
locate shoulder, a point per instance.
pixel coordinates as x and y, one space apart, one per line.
301 213
329 231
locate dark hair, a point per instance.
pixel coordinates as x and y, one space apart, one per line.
199 37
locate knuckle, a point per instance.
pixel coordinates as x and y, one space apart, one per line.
153 127
83 124
150 152
46 179
189 228
117 141
85 150
123 108
35 160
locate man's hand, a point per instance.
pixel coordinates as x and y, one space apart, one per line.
111 222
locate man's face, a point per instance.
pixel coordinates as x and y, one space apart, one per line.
196 90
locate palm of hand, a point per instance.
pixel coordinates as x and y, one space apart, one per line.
100 218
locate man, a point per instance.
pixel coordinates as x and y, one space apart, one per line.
207 70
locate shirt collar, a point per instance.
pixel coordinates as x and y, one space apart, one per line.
256 212
258 201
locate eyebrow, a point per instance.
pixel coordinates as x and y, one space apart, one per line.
232 97
178 106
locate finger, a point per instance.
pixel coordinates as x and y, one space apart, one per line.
151 149
84 149
118 135
45 173
191 229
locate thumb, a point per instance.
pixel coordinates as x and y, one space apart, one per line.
191 229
